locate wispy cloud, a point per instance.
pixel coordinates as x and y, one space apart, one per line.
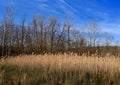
49 8
69 6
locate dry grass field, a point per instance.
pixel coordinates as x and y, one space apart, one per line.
62 69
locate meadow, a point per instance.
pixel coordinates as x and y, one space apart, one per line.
61 69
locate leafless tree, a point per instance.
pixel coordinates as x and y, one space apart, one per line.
52 26
41 23
92 33
108 39
8 32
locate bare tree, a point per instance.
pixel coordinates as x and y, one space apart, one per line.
108 39
61 42
52 26
28 40
78 39
4 39
8 28
41 22
22 35
35 29
68 26
92 33
23 32
10 14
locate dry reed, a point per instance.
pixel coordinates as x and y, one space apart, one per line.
109 64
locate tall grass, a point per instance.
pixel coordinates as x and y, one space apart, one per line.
61 70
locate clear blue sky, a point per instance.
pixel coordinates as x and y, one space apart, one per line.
105 12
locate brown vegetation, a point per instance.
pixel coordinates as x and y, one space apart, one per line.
110 64
92 66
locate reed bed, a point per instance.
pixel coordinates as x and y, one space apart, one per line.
75 69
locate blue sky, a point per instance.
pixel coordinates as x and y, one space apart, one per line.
105 12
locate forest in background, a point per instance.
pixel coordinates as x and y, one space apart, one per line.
50 35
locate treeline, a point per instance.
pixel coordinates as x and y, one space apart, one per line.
48 35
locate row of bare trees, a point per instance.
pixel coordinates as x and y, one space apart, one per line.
48 35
